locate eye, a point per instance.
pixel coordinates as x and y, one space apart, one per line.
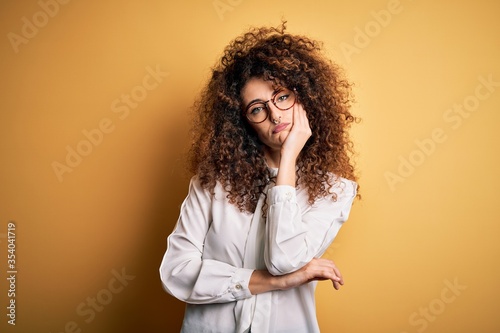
282 97
256 109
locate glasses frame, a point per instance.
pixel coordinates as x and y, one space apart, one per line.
266 107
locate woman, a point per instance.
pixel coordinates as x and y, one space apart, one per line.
271 158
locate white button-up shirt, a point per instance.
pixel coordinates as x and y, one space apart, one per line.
214 249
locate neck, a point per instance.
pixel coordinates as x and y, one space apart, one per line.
272 157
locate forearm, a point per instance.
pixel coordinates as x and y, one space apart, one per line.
286 172
295 236
262 281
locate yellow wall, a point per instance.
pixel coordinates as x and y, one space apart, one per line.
420 251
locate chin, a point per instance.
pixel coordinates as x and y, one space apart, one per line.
273 146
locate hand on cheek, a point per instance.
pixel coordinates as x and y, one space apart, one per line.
292 146
298 135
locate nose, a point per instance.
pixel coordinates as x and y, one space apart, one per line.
274 112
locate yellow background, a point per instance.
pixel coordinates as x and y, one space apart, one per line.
405 242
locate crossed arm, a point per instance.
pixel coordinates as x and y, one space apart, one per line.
316 269
262 281
294 241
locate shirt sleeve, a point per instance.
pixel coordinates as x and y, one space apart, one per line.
293 237
183 271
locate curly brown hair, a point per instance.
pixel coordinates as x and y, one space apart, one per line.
225 148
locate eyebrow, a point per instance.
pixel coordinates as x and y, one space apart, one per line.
253 102
277 90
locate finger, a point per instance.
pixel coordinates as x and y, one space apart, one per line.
328 272
334 270
296 116
301 115
305 121
336 285
338 274
333 267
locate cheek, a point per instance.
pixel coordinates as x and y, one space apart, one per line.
282 136
261 131
262 136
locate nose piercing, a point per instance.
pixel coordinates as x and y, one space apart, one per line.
276 122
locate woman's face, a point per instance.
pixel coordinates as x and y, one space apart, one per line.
271 133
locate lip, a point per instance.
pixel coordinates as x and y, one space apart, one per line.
280 127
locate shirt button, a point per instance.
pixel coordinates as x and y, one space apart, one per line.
288 195
238 287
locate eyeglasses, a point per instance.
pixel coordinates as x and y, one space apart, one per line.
258 111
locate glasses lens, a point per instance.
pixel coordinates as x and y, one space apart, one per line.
284 99
257 112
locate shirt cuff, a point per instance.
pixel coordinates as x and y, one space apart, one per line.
240 282
282 193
